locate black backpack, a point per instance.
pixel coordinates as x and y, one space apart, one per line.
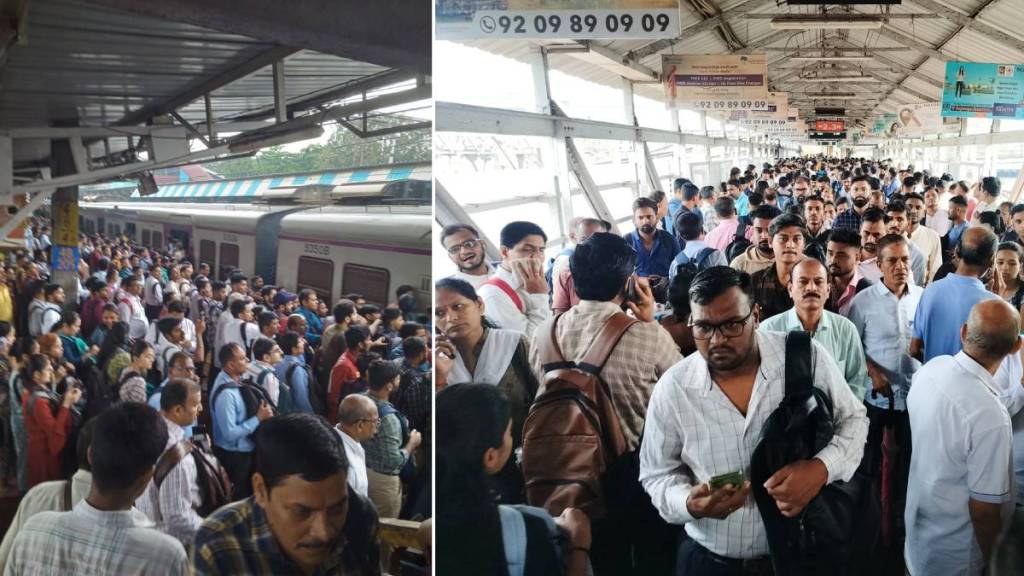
98 393
840 526
252 395
695 264
739 243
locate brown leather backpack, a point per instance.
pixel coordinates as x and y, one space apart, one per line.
572 433
214 484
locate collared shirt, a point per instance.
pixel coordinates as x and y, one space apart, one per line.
153 294
657 261
885 324
770 294
848 219
270 382
233 334
930 245
938 221
130 308
236 539
187 326
752 260
645 352
474 279
955 230
48 496
314 326
841 304
299 382
504 311
90 541
173 505
413 395
943 308
232 431
694 432
384 454
838 335
356 463
966 455
725 233
344 372
564 295
154 401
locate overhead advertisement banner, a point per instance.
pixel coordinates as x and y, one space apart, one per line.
921 119
775 114
980 90
714 82
885 125
556 19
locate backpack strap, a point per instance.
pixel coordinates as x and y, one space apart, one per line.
605 342
66 495
169 459
513 539
703 255
507 289
550 354
263 376
799 373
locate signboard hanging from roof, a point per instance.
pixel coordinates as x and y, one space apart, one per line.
921 119
980 90
556 19
716 82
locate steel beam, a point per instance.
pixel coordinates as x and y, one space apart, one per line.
972 23
578 168
629 69
704 25
280 92
390 33
447 212
887 31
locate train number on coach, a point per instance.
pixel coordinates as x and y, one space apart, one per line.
316 249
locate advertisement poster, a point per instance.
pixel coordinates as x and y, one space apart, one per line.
885 125
981 90
719 83
920 119
777 113
556 19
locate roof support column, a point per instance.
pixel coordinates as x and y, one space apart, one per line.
280 92
554 155
64 254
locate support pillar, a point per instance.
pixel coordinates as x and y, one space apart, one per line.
64 256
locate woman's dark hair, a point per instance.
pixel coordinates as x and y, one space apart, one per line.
993 219
139 348
36 363
470 419
1012 247
466 290
116 339
601 265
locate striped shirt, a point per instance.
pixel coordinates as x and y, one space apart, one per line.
173 505
94 542
694 432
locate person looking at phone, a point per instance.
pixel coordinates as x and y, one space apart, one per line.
516 295
704 421
655 249
602 268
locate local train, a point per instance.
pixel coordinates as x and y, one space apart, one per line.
334 250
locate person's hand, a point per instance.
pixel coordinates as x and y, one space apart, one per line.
531 275
444 361
59 372
705 503
796 484
415 439
93 350
995 283
643 310
382 341
264 411
576 526
71 395
879 381
201 326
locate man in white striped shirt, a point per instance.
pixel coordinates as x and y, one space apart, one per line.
173 504
706 416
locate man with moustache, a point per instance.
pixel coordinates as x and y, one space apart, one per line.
655 249
809 288
769 285
466 250
896 223
842 257
704 420
860 189
760 255
873 226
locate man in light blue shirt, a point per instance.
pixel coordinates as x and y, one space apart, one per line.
945 304
297 378
181 366
809 289
232 425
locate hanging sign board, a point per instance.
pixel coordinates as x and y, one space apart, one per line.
829 125
980 90
775 114
714 82
921 119
556 19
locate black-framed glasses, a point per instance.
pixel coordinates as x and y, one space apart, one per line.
729 329
467 245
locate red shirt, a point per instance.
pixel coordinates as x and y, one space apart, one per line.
345 380
47 435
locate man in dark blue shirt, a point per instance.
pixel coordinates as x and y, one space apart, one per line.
655 249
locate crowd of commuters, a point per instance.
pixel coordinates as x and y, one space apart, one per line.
813 368
159 419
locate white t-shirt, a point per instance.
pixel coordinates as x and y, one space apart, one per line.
356 464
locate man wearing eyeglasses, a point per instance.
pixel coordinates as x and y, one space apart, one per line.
706 416
358 421
466 250
180 366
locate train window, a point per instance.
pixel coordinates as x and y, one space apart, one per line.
316 274
117 229
147 237
158 240
208 253
228 259
369 281
129 230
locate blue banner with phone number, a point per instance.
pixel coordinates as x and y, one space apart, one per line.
981 90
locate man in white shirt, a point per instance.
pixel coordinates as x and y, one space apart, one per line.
934 217
924 238
358 420
172 499
961 486
130 308
240 329
705 419
105 534
516 296
266 355
467 251
175 309
153 293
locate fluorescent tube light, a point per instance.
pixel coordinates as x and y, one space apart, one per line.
831 58
839 79
827 23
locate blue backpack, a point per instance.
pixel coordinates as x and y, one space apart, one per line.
513 535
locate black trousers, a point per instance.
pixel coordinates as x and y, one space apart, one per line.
888 559
238 465
696 560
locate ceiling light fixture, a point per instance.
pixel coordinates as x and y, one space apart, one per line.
827 23
831 58
840 79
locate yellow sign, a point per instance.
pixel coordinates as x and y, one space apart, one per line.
65 223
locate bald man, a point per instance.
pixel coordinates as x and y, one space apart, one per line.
946 303
358 420
960 489
809 288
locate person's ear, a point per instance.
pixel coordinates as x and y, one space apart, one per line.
504 252
1016 346
492 461
260 490
963 332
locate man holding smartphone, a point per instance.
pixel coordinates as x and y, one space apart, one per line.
516 296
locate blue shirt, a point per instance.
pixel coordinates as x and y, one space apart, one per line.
954 233
232 431
299 382
314 326
659 259
674 204
154 401
944 307
742 204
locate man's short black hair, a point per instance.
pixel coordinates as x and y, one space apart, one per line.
128 439
690 192
413 346
725 207
642 202
356 335
1016 209
227 352
305 293
297 444
514 232
991 185
238 306
266 318
381 373
455 229
600 266
389 315
410 329
176 393
49 289
289 340
765 212
343 309
689 225
787 220
845 236
261 347
913 196
368 309
874 214
711 283
897 206
238 278
959 200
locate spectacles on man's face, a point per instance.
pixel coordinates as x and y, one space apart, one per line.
467 245
729 329
374 421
